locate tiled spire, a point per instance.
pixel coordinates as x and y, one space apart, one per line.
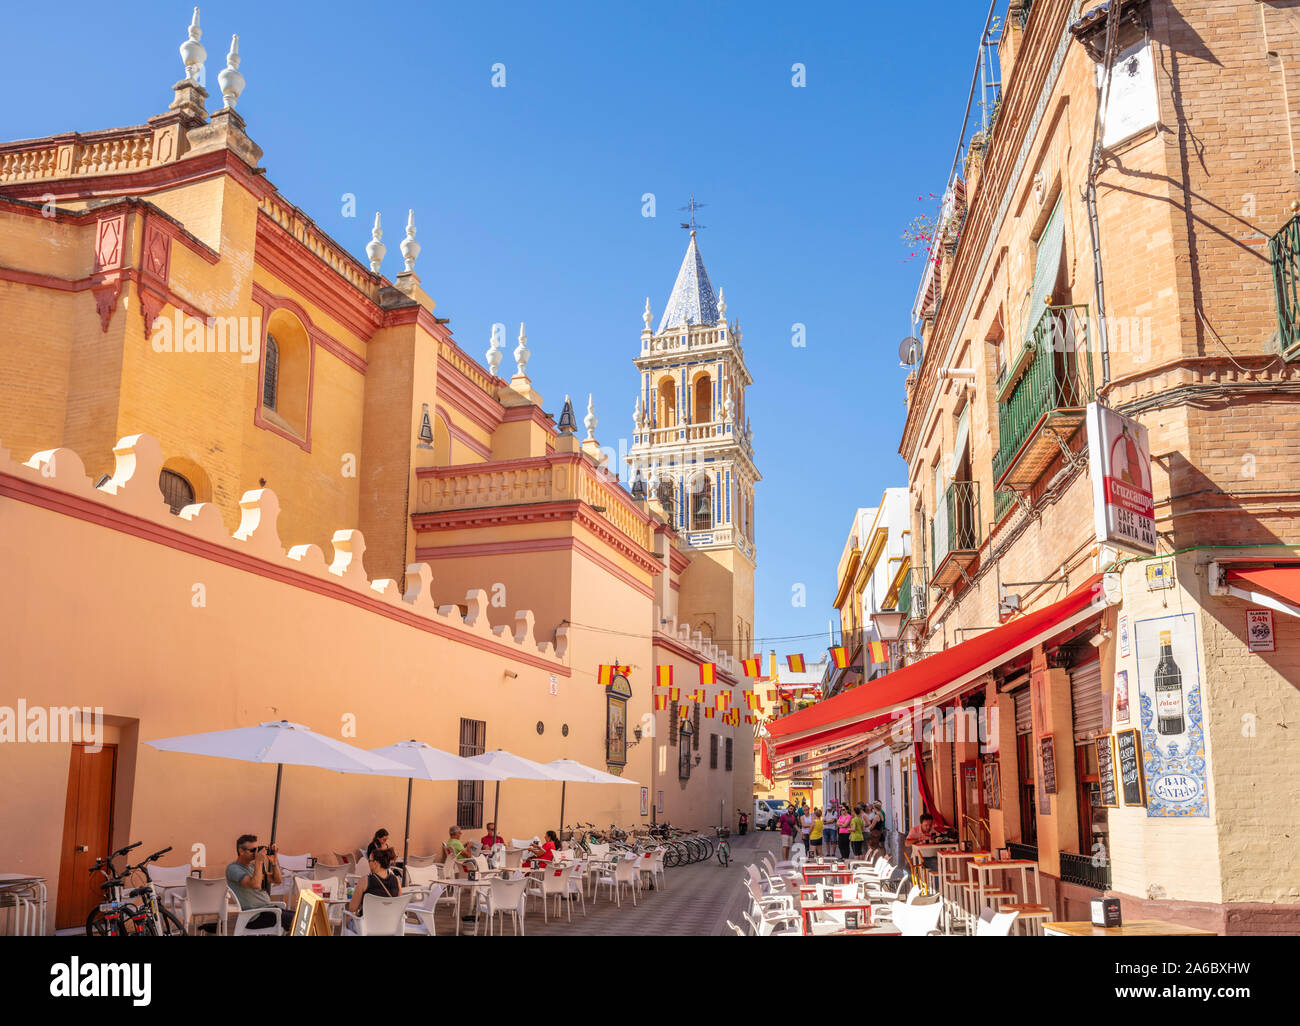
692 301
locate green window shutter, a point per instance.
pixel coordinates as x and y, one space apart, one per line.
1046 266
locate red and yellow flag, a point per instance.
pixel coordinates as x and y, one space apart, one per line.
709 712
674 693
840 657
696 696
876 651
684 712
795 662
664 676
607 673
749 719
661 702
723 701
708 674
754 667
771 695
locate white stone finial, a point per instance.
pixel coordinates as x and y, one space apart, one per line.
590 421
375 248
230 80
647 316
521 353
409 247
494 353
192 53
722 305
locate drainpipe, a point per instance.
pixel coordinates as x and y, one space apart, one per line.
1090 192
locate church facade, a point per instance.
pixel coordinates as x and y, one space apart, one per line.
247 476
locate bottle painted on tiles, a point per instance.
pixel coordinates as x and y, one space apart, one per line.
1169 690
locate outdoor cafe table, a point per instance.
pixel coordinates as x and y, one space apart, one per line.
808 907
1138 928
842 874
949 858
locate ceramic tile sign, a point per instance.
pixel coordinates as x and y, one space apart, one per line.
1169 696
1259 630
1120 460
1124 637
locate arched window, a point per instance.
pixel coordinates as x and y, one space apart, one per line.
701 504
271 375
176 490
667 417
703 412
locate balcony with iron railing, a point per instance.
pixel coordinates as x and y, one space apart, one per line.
955 532
1284 249
911 596
1042 397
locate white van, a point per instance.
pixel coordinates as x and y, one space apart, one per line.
767 811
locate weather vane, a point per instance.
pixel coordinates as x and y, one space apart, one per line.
692 207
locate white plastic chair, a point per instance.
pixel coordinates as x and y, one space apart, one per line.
623 874
247 915
380 917
208 899
736 929
995 924
918 919
168 882
426 908
763 904
503 898
775 926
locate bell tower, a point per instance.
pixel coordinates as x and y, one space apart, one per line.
692 451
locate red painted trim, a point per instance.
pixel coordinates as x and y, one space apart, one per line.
290 261
533 413
456 434
265 301
94 281
81 508
271 302
673 645
467 398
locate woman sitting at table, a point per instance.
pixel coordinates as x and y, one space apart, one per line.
380 881
545 852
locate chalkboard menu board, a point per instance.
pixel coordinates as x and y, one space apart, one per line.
992 785
1128 748
1048 758
1106 772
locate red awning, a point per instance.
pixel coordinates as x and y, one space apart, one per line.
1281 581
868 706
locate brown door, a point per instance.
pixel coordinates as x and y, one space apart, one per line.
87 833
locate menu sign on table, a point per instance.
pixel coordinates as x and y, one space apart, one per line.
1106 772
1128 747
1048 757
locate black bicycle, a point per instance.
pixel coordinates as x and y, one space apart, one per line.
119 915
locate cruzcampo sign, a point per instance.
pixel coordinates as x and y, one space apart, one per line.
1119 456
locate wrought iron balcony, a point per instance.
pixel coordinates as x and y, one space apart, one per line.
955 532
1043 396
911 596
1284 248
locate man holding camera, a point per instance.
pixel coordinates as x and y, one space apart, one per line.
256 868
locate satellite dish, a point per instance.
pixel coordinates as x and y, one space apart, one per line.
909 351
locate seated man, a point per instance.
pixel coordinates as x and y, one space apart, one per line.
924 833
455 846
252 868
491 839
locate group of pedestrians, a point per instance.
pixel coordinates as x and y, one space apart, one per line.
858 832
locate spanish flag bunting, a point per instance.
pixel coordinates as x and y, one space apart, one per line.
607 673
840 657
749 719
708 674
661 702
664 676
684 712
754 667
795 662
709 712
674 693
696 696
876 650
723 701
771 696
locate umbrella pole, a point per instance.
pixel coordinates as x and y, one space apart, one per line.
563 786
275 811
496 808
406 838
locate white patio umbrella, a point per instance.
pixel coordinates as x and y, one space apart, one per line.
568 770
515 767
424 762
282 743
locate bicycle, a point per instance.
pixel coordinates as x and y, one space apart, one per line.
118 916
723 846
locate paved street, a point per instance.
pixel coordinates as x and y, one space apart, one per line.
699 900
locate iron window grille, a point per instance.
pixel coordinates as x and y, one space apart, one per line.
469 793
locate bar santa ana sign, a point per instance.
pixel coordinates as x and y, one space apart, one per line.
1119 455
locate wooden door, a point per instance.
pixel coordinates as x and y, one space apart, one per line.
973 804
87 832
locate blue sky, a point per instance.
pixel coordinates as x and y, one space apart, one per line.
528 198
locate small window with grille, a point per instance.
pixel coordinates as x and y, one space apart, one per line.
673 717
469 793
271 373
728 762
713 751
696 724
